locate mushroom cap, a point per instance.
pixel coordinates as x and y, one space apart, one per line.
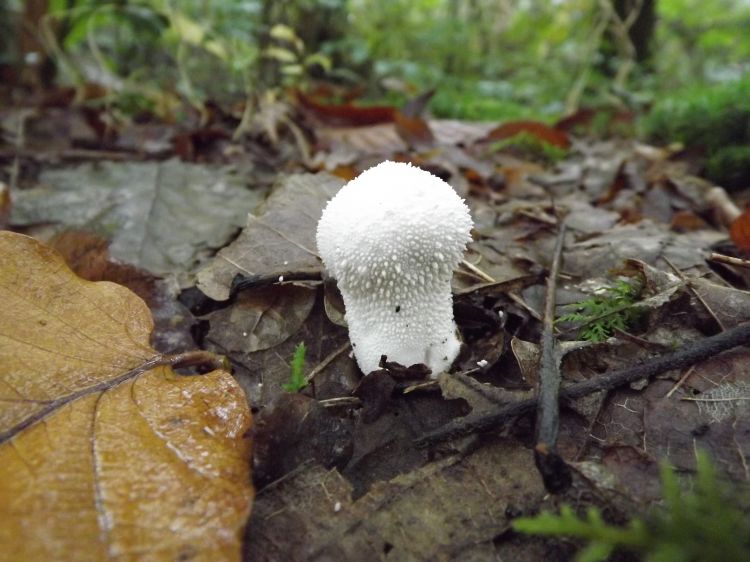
392 237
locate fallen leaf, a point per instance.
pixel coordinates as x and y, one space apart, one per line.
684 221
739 231
346 114
440 511
279 240
383 140
88 256
262 373
261 318
415 131
5 204
296 429
105 452
166 217
540 131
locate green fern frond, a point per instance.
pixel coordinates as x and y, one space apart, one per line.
599 316
705 523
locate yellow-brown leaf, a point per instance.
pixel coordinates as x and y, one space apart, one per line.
103 454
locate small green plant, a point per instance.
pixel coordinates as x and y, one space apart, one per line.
600 315
706 523
297 380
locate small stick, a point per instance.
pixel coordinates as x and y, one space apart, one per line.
686 356
327 361
723 205
680 382
554 471
478 272
729 260
695 293
349 401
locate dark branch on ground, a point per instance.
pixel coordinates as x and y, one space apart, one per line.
555 473
686 356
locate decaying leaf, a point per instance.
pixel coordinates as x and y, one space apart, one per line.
162 217
279 240
441 511
105 452
261 319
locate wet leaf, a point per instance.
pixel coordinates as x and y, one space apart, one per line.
278 240
105 452
162 217
382 140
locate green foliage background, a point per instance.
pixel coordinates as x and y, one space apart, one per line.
489 59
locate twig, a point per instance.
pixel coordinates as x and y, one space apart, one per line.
554 471
478 272
522 303
729 260
684 357
349 401
680 382
327 361
723 206
697 295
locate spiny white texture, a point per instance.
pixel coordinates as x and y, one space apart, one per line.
391 238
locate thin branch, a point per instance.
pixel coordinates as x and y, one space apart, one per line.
693 290
729 260
554 471
686 356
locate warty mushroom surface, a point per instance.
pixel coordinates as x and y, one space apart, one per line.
392 238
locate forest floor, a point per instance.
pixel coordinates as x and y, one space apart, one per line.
343 469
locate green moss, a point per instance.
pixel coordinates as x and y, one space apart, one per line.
713 116
716 118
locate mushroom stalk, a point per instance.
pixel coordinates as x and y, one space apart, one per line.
392 237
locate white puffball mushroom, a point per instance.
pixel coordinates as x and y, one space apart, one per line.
392 237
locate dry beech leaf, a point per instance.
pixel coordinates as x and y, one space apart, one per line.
105 453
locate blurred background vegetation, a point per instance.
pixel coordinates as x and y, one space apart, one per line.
681 63
488 59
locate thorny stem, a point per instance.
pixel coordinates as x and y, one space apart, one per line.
684 357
